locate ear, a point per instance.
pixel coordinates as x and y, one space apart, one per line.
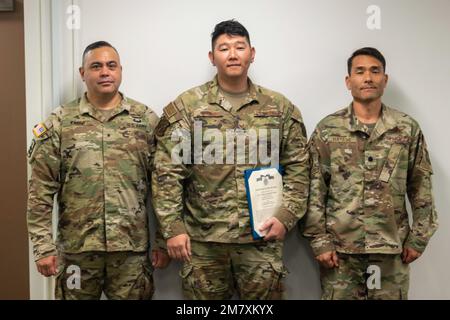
386 78
347 82
253 54
211 58
81 70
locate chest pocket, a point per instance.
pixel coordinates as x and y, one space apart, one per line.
212 126
267 126
267 119
344 163
394 171
133 135
390 162
209 119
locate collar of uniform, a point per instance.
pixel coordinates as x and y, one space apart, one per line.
214 95
87 107
385 123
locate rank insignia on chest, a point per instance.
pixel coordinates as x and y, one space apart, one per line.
39 130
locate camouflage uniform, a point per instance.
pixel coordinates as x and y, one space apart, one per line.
120 275
357 196
100 170
208 201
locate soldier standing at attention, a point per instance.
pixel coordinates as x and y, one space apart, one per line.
364 160
96 154
202 206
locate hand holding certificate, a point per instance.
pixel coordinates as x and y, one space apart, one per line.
264 196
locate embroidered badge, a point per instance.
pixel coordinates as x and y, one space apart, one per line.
39 130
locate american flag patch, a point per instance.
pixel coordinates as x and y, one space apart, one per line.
39 130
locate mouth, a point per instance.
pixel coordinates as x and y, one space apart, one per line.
105 83
234 65
368 88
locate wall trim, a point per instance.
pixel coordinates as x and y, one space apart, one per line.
50 78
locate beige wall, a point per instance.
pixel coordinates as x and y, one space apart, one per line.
14 279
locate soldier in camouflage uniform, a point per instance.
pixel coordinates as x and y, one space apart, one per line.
364 159
202 207
96 154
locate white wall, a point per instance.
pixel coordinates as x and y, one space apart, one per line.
301 51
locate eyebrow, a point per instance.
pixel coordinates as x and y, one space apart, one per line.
107 62
371 67
231 43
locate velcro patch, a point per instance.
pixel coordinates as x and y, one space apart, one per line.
341 139
399 139
212 114
268 113
170 110
39 130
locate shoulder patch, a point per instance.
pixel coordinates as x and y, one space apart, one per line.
42 130
39 130
172 113
162 126
170 110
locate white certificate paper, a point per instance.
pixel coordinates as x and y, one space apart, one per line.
264 196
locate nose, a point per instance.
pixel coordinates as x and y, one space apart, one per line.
232 53
367 76
104 71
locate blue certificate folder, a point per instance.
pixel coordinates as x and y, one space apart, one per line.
247 174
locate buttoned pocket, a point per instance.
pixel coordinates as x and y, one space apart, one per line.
392 171
344 165
267 119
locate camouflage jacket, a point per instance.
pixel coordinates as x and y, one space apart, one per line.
359 182
100 170
208 200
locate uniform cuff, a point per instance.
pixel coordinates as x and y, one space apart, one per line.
287 218
415 243
44 253
159 244
322 245
175 229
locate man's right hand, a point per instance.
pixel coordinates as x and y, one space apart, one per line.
47 266
179 247
328 259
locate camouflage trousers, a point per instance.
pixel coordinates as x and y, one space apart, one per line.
120 275
366 277
217 270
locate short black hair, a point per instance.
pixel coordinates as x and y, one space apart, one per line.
230 27
96 45
366 51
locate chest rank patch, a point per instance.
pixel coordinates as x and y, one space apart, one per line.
39 130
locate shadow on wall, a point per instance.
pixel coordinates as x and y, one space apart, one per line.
395 98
